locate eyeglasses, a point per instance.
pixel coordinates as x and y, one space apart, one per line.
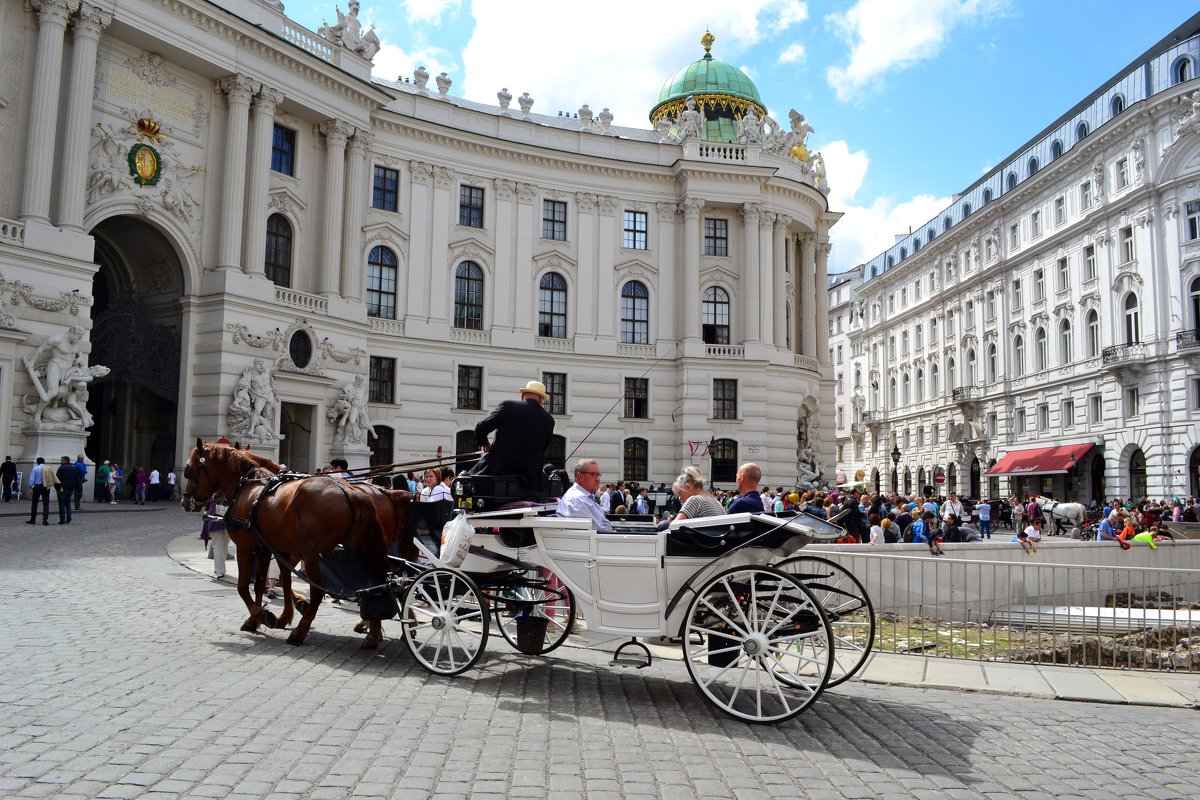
593 474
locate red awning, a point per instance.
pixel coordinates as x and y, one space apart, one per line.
1041 460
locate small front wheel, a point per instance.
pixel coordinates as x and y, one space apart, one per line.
544 600
445 622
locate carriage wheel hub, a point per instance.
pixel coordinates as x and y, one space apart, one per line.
755 644
438 622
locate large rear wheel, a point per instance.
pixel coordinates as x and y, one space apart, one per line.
445 626
757 644
845 601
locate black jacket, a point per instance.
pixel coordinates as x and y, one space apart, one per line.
8 471
68 478
523 429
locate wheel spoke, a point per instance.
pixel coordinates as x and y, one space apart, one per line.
733 599
736 629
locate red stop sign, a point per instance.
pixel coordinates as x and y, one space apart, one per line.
940 478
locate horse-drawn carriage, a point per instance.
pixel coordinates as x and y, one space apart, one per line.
763 630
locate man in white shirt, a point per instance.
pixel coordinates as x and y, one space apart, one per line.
953 506
580 499
39 489
155 484
170 485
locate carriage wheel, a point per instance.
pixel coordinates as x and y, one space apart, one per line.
756 643
845 601
445 625
543 598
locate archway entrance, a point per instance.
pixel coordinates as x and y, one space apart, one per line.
1194 473
976 489
1137 475
135 333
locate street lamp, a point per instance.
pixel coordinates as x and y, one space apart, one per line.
896 469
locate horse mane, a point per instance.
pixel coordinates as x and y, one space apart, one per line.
239 461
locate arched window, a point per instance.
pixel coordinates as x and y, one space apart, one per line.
920 385
932 233
971 367
951 376
724 462
916 244
946 223
552 306
903 253
966 210
381 446
906 395
1011 181
278 262
1133 324
991 363
1065 349
635 313
1056 149
1093 333
381 283
1116 106
468 296
1194 297
715 316
891 262
892 398
875 271
857 378
933 380
1181 70
1033 166
987 196
1018 356
1081 130
636 462
1039 349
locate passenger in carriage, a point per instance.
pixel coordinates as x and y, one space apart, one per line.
523 430
749 500
697 500
580 500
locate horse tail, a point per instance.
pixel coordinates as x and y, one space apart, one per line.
404 534
372 541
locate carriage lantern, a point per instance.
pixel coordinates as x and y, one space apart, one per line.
896 468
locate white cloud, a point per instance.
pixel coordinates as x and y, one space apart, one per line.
392 62
790 14
886 35
864 232
428 12
565 55
794 54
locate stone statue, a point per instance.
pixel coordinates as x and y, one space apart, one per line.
505 99
808 469
59 373
802 428
800 128
420 78
818 172
526 103
252 411
105 167
585 117
749 128
691 121
443 83
349 414
348 33
606 118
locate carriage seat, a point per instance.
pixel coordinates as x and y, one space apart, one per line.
491 492
714 536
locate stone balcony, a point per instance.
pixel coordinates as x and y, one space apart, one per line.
1127 362
1187 340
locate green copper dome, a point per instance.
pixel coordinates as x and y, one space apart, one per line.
722 91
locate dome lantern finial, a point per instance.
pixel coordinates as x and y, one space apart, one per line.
707 40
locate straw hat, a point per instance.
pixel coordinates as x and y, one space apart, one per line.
535 387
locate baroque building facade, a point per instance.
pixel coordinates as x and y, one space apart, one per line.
258 240
1040 334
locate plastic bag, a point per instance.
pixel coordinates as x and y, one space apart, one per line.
456 540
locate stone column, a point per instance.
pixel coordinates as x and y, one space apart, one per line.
766 271
585 205
821 309
43 107
238 90
779 280
419 266
750 288
77 131
441 290
807 344
262 139
527 232
690 291
665 324
353 258
505 225
606 319
336 132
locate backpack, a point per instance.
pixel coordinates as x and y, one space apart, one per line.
908 534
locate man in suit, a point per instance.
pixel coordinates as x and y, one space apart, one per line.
8 476
523 429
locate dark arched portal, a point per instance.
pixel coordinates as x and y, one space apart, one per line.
135 333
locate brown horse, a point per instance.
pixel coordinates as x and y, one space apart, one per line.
305 517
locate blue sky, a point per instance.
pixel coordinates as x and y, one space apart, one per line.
912 100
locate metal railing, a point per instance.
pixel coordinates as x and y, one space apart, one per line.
1117 354
963 393
1085 615
1187 340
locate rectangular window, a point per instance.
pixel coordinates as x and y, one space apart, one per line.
381 387
470 206
891 304
386 193
904 343
1095 408
470 387
1039 285
1193 220
949 323
554 220
1016 293
1068 414
920 436
841 416
1043 417
1126 239
1089 262
904 298
1085 195
1019 424
990 249
916 290
635 230
1195 394
1132 402
892 348
283 150
1014 235
840 360
1064 276
637 398
724 398
716 237
1060 210
992 424
1122 173
556 387
989 305
1035 224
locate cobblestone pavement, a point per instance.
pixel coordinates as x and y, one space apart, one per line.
126 676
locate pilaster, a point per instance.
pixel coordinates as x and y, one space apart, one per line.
238 89
353 278
262 136
71 196
336 133
690 293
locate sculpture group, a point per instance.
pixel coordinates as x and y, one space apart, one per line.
60 375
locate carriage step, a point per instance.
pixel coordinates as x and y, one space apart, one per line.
638 660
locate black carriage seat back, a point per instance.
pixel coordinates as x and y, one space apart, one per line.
429 518
714 536
492 492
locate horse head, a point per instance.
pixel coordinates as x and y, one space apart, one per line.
217 470
199 487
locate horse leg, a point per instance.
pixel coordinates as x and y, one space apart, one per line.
289 600
374 633
312 566
245 562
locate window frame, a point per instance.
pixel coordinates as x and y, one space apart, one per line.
552 306
283 150
637 398
277 260
715 308
716 236
469 388
469 296
725 398
554 220
385 189
381 380
635 230
556 389
381 273
471 201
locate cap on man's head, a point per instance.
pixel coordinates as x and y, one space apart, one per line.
535 387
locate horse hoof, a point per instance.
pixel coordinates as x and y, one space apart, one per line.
295 641
249 627
370 644
302 605
361 627
268 619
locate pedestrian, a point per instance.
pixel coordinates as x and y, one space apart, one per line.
214 531
68 489
985 518
140 483
81 468
114 483
100 492
170 484
8 476
155 485
40 480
